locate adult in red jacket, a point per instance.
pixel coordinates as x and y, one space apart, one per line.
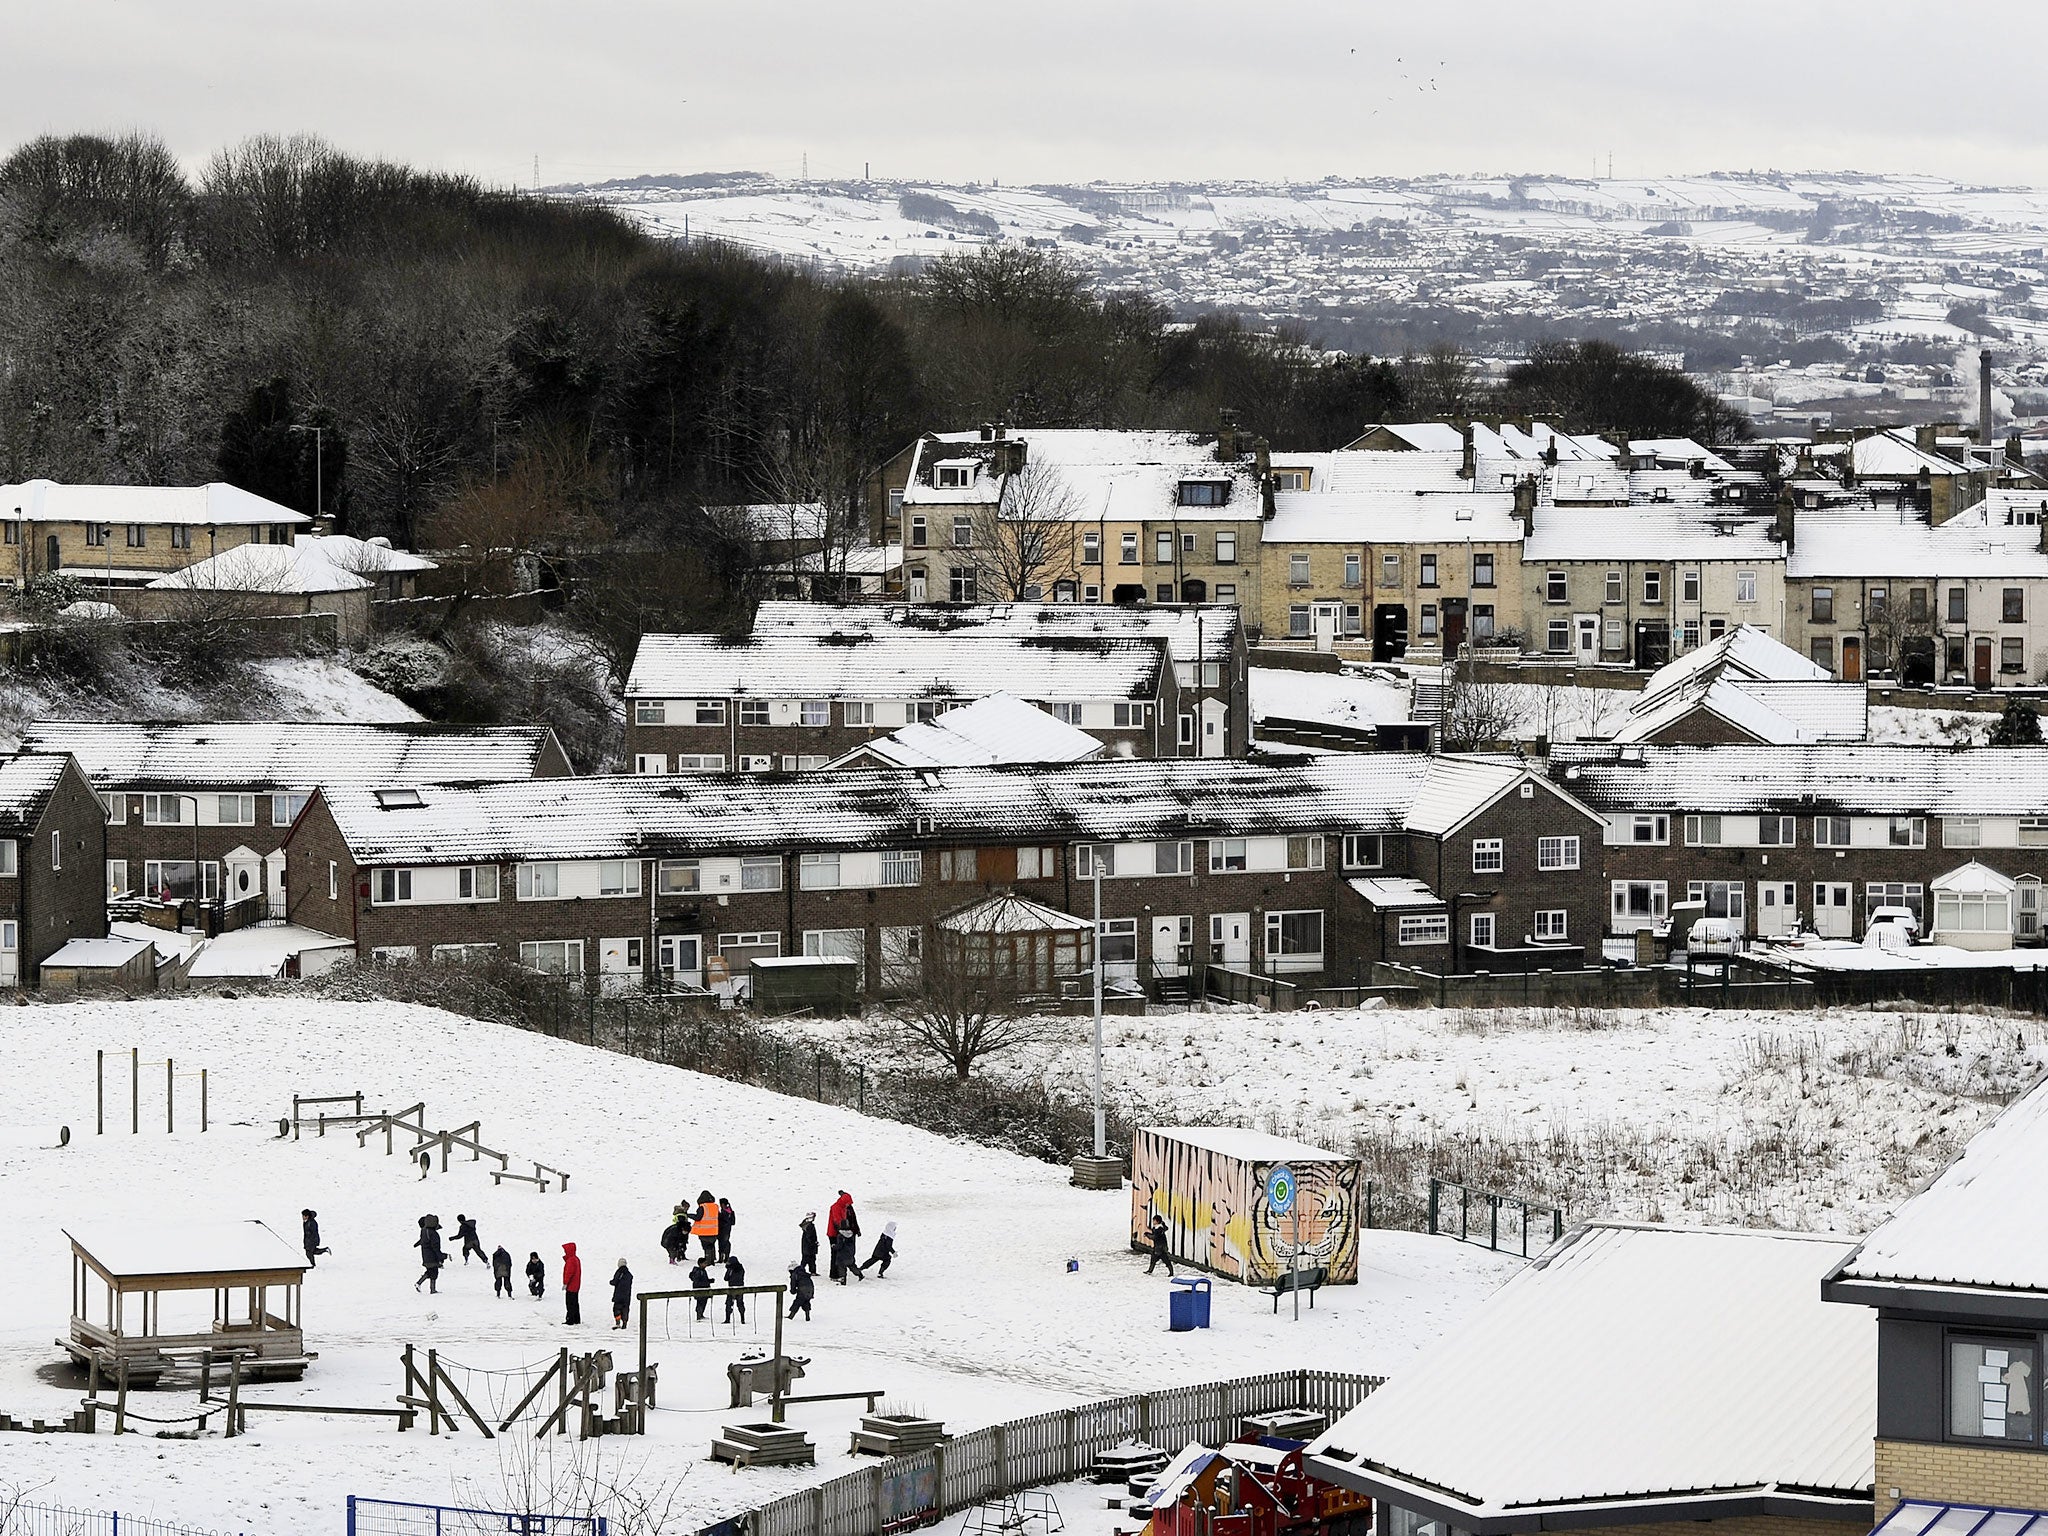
572 1282
842 1226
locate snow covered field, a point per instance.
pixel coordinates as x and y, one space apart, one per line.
979 1321
1819 1120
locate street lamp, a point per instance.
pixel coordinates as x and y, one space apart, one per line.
1095 865
319 473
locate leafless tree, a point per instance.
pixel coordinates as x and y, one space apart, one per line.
965 1001
1439 382
1477 714
568 1475
1028 533
545 503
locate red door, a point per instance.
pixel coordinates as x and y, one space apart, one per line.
1980 671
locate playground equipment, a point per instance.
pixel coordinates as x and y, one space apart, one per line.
578 1382
412 1120
130 1271
771 1373
1033 1512
135 1066
896 1434
763 1445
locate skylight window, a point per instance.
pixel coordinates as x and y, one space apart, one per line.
399 799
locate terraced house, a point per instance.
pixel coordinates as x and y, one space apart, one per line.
52 841
198 813
1783 838
1311 871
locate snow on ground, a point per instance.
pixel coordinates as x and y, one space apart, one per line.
1819 1120
321 688
1896 727
979 1321
1358 697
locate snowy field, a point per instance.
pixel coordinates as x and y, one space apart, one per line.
1817 1120
979 1320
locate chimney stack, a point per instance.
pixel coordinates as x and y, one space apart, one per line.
1226 435
1525 503
1984 397
1468 465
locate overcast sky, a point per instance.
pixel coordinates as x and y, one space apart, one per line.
1047 90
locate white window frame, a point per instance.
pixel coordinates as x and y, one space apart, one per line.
1825 827
8 866
1551 924
1479 930
533 952
902 867
818 871
1276 928
537 882
233 810
760 872
650 711
709 712
1962 832
476 882
857 712
1703 831
1304 852
814 712
1554 853
1489 855
162 810
390 887
1423 928
285 806
1355 844
1657 824
678 877
1227 855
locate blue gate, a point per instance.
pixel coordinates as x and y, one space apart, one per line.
386 1517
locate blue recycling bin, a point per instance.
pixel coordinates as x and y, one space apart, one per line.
1187 1303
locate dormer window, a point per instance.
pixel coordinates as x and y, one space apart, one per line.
1204 493
955 475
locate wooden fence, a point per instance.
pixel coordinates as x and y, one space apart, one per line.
1047 1448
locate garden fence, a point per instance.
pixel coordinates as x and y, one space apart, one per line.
1046 1448
1504 1223
22 1519
386 1517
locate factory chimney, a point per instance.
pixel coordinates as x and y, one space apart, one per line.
1984 438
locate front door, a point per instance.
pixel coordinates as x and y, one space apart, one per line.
1852 659
1215 728
1173 945
1980 663
1831 909
1230 939
1389 632
1777 908
682 959
1588 631
1324 619
1119 939
10 954
1454 625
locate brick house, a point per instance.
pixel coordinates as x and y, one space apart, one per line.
129 535
1959 1284
52 847
795 701
1745 687
207 806
1205 642
686 878
1784 838
1112 517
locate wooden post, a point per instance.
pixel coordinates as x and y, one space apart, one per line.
134 1092
433 1392
121 1402
640 1426
775 1403
202 1099
170 1097
99 1094
234 1393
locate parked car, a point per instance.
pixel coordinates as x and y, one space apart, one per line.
1714 936
1901 916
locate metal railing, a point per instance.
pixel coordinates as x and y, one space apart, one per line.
1504 1222
19 1518
386 1517
1046 1448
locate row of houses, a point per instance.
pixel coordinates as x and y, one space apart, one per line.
1879 554
414 842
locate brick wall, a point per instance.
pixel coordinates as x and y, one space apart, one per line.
66 900
1966 1474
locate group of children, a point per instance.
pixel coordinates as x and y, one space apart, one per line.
433 1257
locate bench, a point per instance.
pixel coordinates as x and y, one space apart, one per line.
1311 1280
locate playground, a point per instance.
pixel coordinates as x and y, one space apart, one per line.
979 1320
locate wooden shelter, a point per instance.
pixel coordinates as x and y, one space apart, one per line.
123 1276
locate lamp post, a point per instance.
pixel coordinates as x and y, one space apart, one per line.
1101 1145
319 473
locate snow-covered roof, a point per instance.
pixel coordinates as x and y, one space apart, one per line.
1744 651
1848 778
27 781
798 521
1100 475
1114 799
139 1249
1892 455
861 662
1192 631
1247 1145
1970 1228
211 505
1012 914
1389 516
989 732
1396 893
1979 879
283 755
259 952
1914 1517
1775 713
310 563
1648 531
108 954
1867 541
1638 1365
